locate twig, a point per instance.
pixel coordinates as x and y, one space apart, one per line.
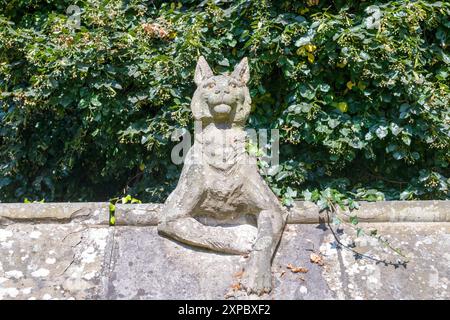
384 178
338 240
379 238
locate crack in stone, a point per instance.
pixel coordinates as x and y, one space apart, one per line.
74 257
108 261
70 233
344 277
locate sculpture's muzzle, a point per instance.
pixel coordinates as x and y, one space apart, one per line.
222 109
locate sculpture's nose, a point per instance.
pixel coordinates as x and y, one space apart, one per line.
222 90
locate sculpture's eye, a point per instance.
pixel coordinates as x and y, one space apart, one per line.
211 85
233 85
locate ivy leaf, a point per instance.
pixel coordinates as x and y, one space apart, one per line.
353 204
342 106
336 221
305 107
307 195
95 101
303 40
357 144
307 92
282 175
398 155
333 123
415 155
224 62
116 85
364 56
406 140
66 100
381 132
395 129
288 202
391 147
322 204
4 182
291 193
126 199
354 220
368 136
324 87
359 232
273 170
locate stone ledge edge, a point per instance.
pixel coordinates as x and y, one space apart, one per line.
303 212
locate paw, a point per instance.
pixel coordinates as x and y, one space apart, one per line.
243 239
246 242
257 279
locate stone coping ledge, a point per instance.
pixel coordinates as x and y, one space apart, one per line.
148 214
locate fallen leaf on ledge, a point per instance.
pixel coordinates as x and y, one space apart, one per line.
316 258
236 286
296 269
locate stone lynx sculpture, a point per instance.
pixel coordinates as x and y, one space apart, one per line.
220 180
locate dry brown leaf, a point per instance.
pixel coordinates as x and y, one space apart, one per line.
296 269
282 273
300 269
316 258
301 278
239 274
236 286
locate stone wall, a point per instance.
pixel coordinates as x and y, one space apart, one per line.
68 251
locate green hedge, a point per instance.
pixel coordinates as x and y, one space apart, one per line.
362 105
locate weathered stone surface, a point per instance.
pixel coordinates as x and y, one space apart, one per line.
51 261
145 214
425 276
87 212
148 214
150 267
82 261
164 269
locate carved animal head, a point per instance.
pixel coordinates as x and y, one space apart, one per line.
223 98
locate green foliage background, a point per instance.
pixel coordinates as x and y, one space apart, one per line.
87 114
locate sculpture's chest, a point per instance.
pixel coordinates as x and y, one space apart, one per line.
222 150
224 159
224 178
223 197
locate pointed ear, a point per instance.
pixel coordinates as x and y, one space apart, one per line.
202 71
241 71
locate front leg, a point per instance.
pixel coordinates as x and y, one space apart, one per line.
258 274
188 230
